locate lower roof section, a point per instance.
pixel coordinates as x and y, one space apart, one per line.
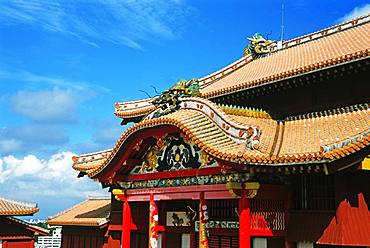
250 140
92 212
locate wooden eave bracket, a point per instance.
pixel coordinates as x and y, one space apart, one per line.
119 194
365 164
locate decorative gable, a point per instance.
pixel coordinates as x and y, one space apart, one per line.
173 152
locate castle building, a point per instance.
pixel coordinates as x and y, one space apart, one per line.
270 151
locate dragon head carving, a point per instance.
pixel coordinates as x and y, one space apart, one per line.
169 100
258 45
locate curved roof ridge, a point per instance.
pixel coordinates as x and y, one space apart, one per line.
216 110
208 79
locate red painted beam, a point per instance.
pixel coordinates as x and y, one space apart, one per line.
164 190
170 174
178 193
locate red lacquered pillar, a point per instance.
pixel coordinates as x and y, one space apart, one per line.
126 217
126 224
244 221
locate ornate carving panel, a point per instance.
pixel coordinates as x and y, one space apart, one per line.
173 152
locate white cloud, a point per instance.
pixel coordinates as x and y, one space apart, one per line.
54 105
356 12
120 22
43 177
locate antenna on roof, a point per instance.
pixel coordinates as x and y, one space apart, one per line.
282 21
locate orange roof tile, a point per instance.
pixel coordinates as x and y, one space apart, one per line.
339 44
11 207
92 212
317 137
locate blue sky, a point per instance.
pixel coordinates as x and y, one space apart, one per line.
64 63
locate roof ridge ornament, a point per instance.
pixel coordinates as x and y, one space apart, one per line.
258 46
169 100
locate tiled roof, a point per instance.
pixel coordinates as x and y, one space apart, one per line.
320 138
336 45
92 212
11 207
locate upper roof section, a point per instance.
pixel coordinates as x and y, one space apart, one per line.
92 212
332 46
11 207
339 44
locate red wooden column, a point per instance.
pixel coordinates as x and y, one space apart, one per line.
126 224
126 218
244 221
249 190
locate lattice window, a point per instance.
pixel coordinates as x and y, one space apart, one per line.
223 210
313 192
